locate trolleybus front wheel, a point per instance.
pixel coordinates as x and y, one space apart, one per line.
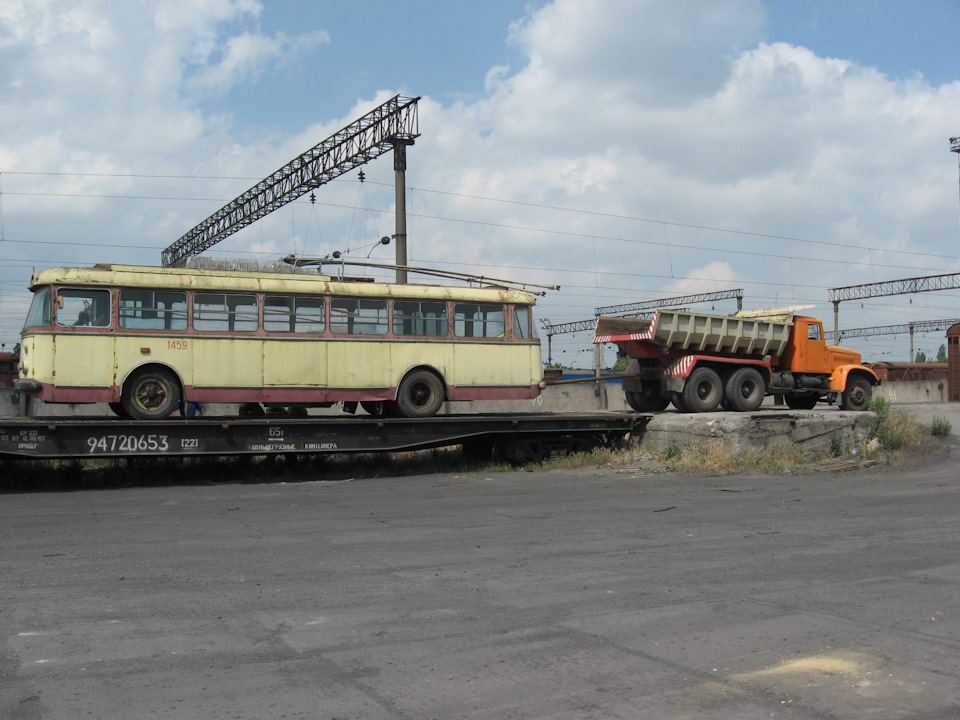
420 394
151 395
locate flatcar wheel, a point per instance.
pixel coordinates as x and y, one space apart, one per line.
151 395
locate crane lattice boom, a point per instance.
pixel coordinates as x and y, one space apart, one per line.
395 122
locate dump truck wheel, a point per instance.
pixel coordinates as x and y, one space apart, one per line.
648 399
703 390
857 394
744 390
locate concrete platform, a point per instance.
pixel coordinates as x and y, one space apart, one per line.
813 431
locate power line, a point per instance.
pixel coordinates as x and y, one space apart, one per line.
540 206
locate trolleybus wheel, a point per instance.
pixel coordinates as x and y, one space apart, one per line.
857 395
420 394
151 395
118 410
744 390
703 390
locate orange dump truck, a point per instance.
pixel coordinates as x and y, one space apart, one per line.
700 362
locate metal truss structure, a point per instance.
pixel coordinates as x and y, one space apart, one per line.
634 310
673 302
640 309
920 326
392 125
907 286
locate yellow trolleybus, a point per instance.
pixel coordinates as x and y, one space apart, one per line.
146 340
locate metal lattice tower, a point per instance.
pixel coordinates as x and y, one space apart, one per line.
391 126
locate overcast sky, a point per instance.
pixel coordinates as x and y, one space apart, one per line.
625 150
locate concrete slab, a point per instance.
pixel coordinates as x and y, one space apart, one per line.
812 431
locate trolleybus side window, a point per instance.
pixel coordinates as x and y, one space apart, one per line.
83 307
521 322
224 312
153 310
354 316
293 314
39 313
422 319
473 320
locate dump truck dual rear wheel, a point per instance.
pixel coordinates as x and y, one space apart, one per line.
648 399
744 390
703 390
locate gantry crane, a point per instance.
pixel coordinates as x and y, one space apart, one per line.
391 126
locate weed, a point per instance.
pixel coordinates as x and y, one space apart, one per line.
940 427
671 454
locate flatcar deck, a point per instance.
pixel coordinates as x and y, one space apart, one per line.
513 437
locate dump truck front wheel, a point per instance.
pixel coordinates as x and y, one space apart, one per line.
857 394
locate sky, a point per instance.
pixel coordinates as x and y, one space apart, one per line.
625 150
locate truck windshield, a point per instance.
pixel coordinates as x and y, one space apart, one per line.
39 313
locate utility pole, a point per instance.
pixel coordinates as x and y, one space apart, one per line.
400 182
955 147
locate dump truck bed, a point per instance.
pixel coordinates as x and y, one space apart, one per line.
698 332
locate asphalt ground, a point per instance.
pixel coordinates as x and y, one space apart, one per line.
599 593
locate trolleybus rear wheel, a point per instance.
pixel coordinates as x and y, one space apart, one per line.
151 395
420 394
